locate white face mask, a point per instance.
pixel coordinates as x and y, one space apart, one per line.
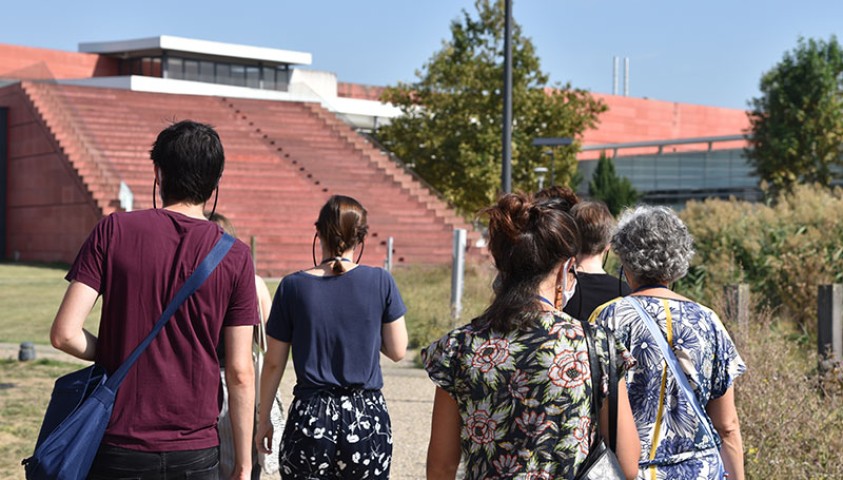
567 294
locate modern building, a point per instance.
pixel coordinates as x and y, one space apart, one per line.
75 130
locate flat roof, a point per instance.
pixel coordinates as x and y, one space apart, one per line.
197 47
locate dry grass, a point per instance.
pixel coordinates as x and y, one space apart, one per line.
24 394
427 293
791 420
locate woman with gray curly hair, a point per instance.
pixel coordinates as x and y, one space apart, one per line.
677 441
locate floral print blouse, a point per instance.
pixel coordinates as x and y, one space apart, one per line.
673 440
524 396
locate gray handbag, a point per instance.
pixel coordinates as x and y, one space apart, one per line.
601 462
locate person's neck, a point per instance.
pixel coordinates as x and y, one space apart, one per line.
348 254
590 264
188 209
547 289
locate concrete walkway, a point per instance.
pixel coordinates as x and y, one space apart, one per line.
408 392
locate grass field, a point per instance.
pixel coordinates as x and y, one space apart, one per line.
29 298
31 294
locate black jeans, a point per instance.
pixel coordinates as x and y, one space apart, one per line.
115 463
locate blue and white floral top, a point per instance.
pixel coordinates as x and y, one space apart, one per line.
674 443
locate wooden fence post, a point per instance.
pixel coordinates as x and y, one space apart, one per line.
830 322
737 304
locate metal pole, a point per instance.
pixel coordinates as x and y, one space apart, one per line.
626 76
506 169
552 168
389 243
457 274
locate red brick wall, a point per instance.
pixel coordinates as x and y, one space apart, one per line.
38 63
49 214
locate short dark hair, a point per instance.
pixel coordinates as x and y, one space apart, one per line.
596 223
191 160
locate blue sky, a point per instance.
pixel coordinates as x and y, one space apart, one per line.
709 53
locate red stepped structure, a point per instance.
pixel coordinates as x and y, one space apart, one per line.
74 146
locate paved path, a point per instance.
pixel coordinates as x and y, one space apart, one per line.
408 392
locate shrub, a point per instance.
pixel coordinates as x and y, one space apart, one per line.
784 251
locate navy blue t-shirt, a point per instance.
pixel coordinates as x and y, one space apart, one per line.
334 324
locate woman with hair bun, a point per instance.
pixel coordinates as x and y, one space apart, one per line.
677 438
514 386
337 318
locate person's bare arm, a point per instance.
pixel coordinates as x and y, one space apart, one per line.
628 445
724 416
240 378
443 451
264 298
394 335
274 364
67 333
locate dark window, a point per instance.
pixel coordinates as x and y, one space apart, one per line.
175 68
268 78
282 78
191 70
151 67
238 75
253 77
206 72
223 74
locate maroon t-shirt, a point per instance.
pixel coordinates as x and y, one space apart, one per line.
138 261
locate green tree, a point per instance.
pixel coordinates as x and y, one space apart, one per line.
452 115
797 122
605 185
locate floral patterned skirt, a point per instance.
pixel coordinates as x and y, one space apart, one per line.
338 433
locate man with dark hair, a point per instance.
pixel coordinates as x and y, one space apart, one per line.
165 416
191 154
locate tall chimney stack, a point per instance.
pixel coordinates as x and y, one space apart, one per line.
615 65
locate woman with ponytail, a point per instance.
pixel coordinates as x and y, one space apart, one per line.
337 318
514 389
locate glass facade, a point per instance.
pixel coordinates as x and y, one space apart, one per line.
241 75
674 178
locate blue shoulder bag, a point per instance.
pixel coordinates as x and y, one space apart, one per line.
675 369
82 401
